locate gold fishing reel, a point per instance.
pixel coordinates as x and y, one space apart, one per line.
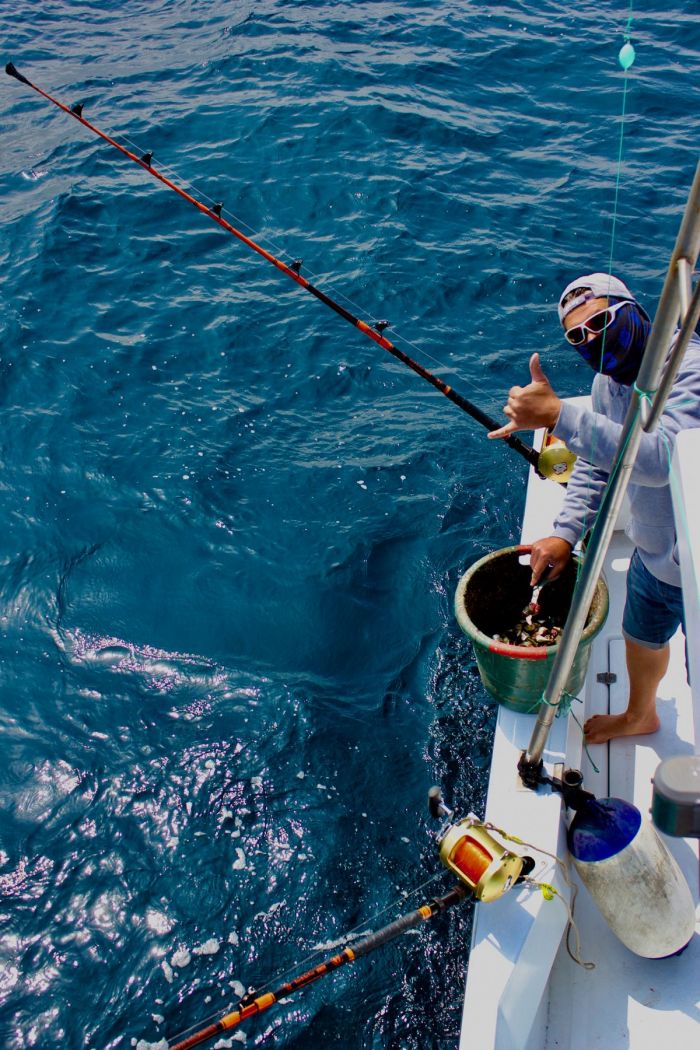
556 461
471 853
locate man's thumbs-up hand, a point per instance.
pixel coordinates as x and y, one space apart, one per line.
532 406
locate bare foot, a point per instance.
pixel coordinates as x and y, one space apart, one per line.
600 728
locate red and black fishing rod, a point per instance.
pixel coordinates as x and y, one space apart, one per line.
255 1003
374 332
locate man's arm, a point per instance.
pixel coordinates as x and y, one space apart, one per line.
583 495
595 437
537 405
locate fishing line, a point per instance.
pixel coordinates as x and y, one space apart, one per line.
293 271
282 251
485 871
351 934
484 868
254 1003
626 57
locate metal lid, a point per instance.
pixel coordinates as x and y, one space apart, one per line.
678 779
675 805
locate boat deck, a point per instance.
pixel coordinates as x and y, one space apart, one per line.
627 1001
524 992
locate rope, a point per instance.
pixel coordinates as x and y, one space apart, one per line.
564 707
585 745
549 892
644 395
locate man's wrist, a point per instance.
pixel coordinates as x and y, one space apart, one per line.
556 412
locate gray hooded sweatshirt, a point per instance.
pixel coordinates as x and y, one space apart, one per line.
593 434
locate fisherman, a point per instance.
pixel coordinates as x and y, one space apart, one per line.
606 325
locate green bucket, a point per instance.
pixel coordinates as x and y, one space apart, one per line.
490 599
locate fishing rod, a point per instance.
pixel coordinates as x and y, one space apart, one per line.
486 870
555 461
254 1003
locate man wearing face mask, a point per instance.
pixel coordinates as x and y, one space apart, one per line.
607 326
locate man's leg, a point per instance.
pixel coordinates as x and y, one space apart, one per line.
645 668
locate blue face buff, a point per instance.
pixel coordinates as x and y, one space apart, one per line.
621 345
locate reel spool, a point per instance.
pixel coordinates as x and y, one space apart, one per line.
556 461
475 856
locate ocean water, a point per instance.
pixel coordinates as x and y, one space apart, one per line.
233 526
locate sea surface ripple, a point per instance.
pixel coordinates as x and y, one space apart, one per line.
233 526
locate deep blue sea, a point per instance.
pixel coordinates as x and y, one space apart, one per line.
232 525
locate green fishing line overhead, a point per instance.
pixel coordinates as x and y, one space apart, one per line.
626 57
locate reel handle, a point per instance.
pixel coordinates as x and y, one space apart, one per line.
436 805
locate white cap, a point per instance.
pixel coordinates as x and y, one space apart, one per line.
593 286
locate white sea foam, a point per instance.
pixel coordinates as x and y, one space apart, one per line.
158 922
209 947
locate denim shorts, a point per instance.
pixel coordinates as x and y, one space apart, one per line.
653 609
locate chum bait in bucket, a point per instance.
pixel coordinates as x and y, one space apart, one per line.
490 600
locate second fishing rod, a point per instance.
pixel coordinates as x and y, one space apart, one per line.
554 461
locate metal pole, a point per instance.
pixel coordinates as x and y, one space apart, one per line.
685 255
691 316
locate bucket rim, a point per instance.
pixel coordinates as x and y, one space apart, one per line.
522 652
